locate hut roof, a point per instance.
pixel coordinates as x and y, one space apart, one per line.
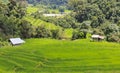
98 36
16 41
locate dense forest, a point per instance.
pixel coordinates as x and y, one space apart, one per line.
52 4
87 17
104 16
11 22
91 16
56 2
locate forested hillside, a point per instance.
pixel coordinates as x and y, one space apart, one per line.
13 24
58 36
90 16
56 2
86 17
53 4
104 16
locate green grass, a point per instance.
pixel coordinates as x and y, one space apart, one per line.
38 22
68 33
57 56
31 9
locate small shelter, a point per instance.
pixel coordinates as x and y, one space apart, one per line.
16 41
97 37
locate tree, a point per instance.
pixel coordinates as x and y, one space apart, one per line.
57 33
61 9
42 32
75 4
26 29
78 34
10 19
113 37
98 31
15 9
110 28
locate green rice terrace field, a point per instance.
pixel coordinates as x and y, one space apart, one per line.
51 26
60 56
38 22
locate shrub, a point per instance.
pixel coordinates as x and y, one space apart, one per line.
78 35
42 32
110 28
57 33
98 31
113 37
3 43
26 29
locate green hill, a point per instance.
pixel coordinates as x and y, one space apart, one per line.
55 56
38 22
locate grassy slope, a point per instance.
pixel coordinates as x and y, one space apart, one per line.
37 22
31 9
55 56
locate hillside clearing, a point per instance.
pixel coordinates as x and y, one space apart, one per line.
38 22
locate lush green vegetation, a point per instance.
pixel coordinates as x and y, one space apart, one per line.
90 16
31 10
50 55
102 14
85 17
50 3
38 22
55 56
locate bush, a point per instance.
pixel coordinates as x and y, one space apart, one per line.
26 29
42 32
3 43
78 35
57 34
110 28
98 31
113 37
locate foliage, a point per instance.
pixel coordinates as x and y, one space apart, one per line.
42 32
14 22
53 4
98 31
61 9
78 35
26 29
100 9
5 43
67 21
110 28
99 12
57 34
113 37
